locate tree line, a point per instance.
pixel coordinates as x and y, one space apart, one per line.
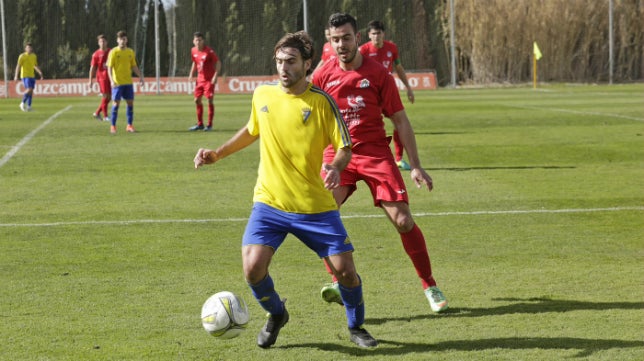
493 37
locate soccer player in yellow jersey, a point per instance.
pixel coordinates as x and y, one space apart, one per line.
294 122
26 68
120 64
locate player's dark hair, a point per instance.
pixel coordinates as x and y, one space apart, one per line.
28 44
101 36
339 19
121 34
300 41
197 34
376 25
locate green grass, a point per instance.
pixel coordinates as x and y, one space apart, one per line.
110 244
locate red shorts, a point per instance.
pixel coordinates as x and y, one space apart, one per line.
204 88
375 165
104 85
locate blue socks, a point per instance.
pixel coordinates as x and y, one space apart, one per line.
353 305
265 294
115 113
130 114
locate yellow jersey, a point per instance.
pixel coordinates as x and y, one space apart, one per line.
27 63
293 132
121 61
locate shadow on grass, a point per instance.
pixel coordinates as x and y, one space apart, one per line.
529 305
504 168
586 347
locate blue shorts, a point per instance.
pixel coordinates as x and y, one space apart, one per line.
323 233
123 92
29 83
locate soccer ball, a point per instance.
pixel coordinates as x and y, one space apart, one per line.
224 315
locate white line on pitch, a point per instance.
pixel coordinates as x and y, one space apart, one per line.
220 220
578 112
28 137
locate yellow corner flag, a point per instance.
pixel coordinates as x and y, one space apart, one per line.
536 51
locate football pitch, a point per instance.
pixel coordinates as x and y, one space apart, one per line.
109 244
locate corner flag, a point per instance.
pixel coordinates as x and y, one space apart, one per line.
536 51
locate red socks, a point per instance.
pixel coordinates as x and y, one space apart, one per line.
414 244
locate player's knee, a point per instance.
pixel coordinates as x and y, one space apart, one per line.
404 224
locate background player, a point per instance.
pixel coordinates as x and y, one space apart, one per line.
121 62
207 65
98 69
386 53
27 64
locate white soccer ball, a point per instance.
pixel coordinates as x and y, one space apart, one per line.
224 315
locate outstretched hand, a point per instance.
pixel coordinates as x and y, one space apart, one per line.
420 177
205 156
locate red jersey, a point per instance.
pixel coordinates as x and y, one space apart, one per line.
387 55
363 96
205 61
99 60
327 52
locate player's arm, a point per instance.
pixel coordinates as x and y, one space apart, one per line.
217 70
18 68
37 69
403 77
408 139
136 71
333 169
92 73
238 142
192 72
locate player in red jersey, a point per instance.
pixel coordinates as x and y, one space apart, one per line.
327 51
206 62
386 53
364 92
98 69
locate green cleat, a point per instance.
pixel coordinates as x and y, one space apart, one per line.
437 300
331 293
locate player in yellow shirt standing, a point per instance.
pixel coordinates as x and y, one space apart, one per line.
294 122
120 64
27 65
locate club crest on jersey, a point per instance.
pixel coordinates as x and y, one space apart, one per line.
264 109
356 102
364 83
306 113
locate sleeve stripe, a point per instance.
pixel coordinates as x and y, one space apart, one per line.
346 138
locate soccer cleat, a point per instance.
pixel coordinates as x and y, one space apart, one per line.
362 338
437 300
268 334
208 128
130 128
113 129
196 127
22 107
330 292
106 119
403 165
97 116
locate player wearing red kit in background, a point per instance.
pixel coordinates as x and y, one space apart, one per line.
327 51
364 92
98 69
207 65
386 53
